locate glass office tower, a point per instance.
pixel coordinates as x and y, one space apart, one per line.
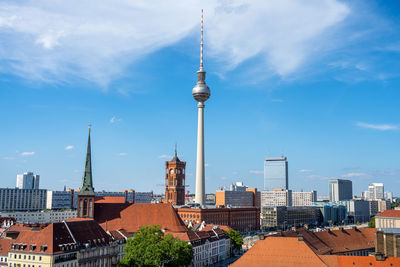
276 173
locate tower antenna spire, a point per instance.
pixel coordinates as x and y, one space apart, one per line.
176 154
201 42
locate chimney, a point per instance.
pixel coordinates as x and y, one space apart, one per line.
261 236
379 256
300 237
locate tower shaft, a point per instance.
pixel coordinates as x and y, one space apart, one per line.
200 177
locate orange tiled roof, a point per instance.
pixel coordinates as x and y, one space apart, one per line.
5 245
389 213
209 227
110 199
367 261
348 239
52 238
113 216
280 251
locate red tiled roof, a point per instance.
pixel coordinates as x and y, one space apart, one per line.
131 216
336 241
280 251
5 245
110 199
367 261
209 227
389 213
55 235
348 239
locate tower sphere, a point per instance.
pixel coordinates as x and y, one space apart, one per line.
200 91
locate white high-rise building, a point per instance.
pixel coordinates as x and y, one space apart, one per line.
28 180
376 191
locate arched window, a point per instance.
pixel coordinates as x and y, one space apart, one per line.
85 206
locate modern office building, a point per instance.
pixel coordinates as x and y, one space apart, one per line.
332 213
376 191
229 198
276 197
59 200
378 205
340 189
304 198
357 210
28 180
13 199
286 217
46 216
276 173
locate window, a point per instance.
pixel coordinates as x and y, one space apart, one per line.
33 257
40 258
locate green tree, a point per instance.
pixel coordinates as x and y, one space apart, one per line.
236 240
150 247
371 223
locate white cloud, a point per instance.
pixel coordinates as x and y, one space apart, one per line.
95 40
256 172
165 157
206 165
305 170
354 174
379 127
115 119
26 154
8 158
123 154
69 147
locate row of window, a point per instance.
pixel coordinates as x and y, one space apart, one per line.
25 257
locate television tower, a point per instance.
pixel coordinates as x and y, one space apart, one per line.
200 93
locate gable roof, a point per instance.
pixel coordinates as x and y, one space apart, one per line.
280 251
389 213
110 199
367 261
59 237
5 245
336 241
130 217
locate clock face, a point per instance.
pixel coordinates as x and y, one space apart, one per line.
171 171
179 171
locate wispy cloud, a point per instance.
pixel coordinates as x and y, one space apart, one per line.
379 127
165 157
115 119
355 174
8 158
123 154
256 172
305 171
48 41
69 147
27 154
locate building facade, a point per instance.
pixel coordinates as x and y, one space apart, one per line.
46 216
28 180
59 200
12 199
240 219
304 198
388 221
276 197
357 211
175 181
286 217
276 173
333 213
340 189
376 191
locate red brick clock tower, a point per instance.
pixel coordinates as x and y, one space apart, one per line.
175 181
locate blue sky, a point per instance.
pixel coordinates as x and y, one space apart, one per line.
317 81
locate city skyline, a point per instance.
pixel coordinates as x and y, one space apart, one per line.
334 115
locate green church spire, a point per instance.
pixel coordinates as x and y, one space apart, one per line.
87 182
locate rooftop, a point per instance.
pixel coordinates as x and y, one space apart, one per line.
389 213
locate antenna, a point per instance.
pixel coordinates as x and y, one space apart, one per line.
201 42
175 151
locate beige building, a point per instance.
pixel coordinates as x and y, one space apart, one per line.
276 197
304 198
388 221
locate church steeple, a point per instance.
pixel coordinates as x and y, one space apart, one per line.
86 192
87 181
